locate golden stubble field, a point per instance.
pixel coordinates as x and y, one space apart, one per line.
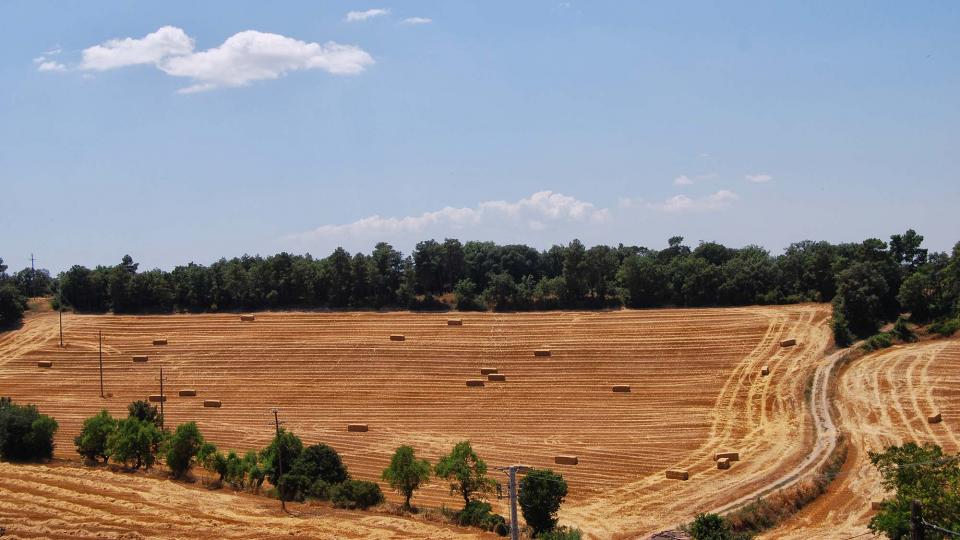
694 376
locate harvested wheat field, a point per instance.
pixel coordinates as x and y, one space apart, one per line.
884 398
694 374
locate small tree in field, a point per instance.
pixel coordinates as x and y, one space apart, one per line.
92 441
144 411
135 442
406 473
182 448
541 493
466 472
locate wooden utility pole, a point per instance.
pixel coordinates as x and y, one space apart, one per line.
916 521
511 472
276 423
100 337
161 399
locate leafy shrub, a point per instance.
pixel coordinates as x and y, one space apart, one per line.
292 487
841 331
356 494
946 328
12 305
710 527
478 514
319 461
182 448
877 341
135 441
561 533
541 493
320 489
92 441
144 411
902 331
25 434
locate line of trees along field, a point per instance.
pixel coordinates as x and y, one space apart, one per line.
869 282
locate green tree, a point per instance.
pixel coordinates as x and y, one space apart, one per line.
541 493
182 448
921 473
135 441
406 473
575 271
644 279
356 494
906 250
91 443
320 462
465 471
465 295
285 448
861 293
25 434
142 410
710 527
12 305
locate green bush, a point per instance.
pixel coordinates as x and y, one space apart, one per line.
541 493
356 494
92 441
319 461
561 533
292 487
903 332
478 514
182 448
25 434
12 305
710 527
320 489
135 441
877 341
946 328
841 331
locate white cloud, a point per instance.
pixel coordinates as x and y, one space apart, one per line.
243 58
682 180
354 16
50 65
759 178
151 49
537 212
683 203
416 20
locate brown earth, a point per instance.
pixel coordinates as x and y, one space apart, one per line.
883 399
694 377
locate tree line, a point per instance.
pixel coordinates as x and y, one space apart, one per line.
296 471
869 282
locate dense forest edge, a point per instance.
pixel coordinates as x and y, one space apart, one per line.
869 283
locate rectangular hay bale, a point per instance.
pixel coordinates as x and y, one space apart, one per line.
497 377
161 341
731 456
621 388
189 392
566 460
764 371
474 382
397 337
677 474
156 398
876 505
44 363
935 419
140 358
487 370
247 318
357 428
212 403
788 342
454 322
541 352
723 463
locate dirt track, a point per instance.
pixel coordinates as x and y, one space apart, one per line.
883 399
694 376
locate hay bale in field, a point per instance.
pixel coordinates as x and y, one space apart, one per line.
474 382
487 370
397 337
187 393
247 318
723 463
731 456
454 322
935 419
621 388
156 398
44 363
788 342
160 341
678 474
566 460
541 352
876 505
140 358
212 403
764 371
358 428
497 377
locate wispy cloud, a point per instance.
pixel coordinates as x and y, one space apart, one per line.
683 203
416 20
684 180
535 213
758 178
356 16
243 58
50 65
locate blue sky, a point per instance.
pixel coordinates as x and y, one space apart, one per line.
223 128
